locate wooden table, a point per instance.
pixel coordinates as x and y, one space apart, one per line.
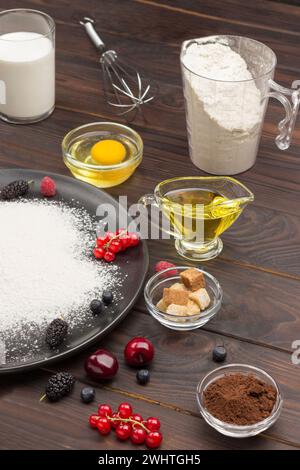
259 267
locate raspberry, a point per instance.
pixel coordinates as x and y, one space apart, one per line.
161 265
48 187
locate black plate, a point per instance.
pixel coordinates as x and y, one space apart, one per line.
133 266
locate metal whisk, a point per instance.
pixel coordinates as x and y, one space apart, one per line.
125 90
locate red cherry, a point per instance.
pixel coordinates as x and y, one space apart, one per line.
103 426
154 439
101 365
153 424
115 246
115 424
98 253
104 410
123 431
139 352
138 435
109 256
125 410
137 417
93 420
134 239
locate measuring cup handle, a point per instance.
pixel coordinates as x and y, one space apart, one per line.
290 99
149 200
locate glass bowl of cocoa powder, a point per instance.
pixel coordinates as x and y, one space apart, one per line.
239 400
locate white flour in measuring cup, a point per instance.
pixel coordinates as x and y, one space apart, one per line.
224 110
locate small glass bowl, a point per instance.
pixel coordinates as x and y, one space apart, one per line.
234 430
103 176
154 291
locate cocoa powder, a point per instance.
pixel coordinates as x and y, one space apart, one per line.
240 399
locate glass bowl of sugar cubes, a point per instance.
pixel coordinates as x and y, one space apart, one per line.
183 298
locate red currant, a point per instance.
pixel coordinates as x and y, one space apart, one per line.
154 439
109 256
153 424
125 241
115 424
123 431
121 231
93 419
138 435
134 239
104 410
137 417
98 253
103 426
115 246
125 410
100 242
109 235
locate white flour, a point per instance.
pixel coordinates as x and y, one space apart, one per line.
45 266
224 113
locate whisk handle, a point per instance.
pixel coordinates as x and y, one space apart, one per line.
88 24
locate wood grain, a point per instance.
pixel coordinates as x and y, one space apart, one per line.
259 268
64 425
275 246
182 360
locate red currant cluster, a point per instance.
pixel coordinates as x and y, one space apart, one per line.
127 425
112 243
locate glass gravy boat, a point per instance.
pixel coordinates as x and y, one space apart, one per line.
198 210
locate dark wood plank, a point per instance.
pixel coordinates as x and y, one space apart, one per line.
182 359
257 306
261 14
28 424
168 109
275 247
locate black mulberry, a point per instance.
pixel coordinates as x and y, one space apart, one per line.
15 189
56 332
59 386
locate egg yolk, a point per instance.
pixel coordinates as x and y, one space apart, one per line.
108 152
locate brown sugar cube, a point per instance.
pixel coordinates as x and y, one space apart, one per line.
192 308
175 296
161 306
193 279
178 285
180 310
201 297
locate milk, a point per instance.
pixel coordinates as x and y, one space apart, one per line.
27 76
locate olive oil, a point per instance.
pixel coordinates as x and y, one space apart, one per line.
190 208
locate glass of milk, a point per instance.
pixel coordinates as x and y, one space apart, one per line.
227 83
27 66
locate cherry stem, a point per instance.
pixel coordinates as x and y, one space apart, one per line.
128 420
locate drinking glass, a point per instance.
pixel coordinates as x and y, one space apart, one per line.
27 66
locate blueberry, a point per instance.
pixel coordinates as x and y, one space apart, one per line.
96 306
87 394
219 354
107 297
143 376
